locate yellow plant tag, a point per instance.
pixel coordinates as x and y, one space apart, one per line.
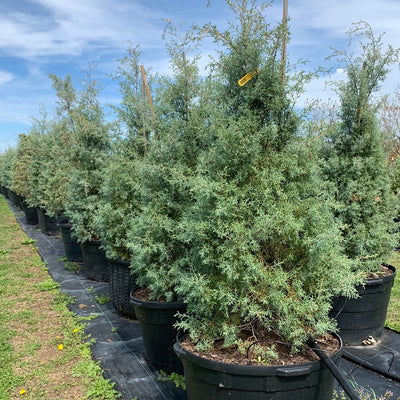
247 77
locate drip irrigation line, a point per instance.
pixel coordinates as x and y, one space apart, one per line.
347 387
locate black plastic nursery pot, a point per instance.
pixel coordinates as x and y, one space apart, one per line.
5 193
95 263
364 316
18 200
21 200
47 224
12 197
31 214
72 248
156 321
15 198
212 380
122 282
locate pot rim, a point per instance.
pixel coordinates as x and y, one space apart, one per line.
257 370
64 224
157 304
92 242
120 261
383 279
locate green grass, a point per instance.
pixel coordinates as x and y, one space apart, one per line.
44 353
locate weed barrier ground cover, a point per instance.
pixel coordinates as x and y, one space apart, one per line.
118 344
117 341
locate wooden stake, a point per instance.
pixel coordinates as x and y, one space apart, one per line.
144 114
146 87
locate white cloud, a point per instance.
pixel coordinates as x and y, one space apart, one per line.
68 27
340 72
337 17
6 77
317 26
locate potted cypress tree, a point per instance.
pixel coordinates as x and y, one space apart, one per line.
31 172
358 165
6 177
35 169
390 117
120 194
48 217
21 174
57 182
14 194
114 216
3 189
263 253
181 107
90 144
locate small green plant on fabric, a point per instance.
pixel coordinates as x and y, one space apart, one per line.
102 298
177 379
72 266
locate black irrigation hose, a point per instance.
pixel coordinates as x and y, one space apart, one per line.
347 387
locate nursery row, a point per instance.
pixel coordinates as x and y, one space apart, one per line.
214 200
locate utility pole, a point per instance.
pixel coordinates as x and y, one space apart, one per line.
284 39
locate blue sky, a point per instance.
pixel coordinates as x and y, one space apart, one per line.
39 37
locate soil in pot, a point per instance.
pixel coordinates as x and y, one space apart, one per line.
157 319
363 318
225 373
95 263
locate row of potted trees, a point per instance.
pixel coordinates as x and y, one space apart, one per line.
357 163
216 204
